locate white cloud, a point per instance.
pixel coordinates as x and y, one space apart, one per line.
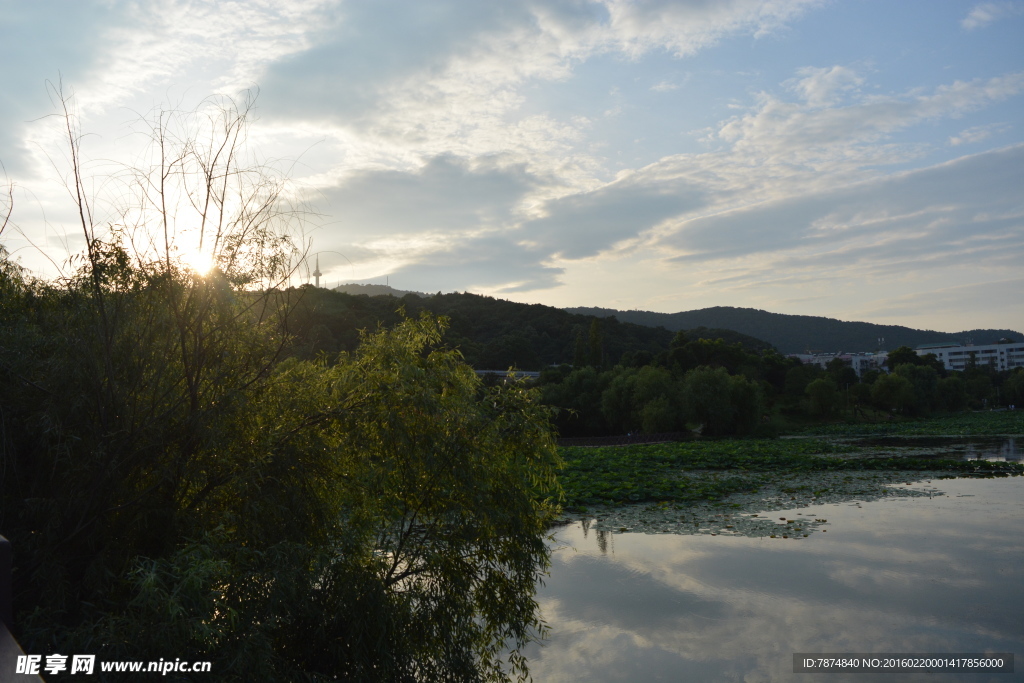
513 142
955 224
985 13
803 134
821 87
935 206
684 28
455 84
978 133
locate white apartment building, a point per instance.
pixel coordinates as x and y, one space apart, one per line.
956 356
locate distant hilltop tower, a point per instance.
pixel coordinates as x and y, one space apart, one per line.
317 273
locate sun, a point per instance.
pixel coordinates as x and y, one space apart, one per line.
200 262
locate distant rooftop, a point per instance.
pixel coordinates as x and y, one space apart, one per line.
940 345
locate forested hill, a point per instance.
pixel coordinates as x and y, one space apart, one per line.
799 333
492 334
375 290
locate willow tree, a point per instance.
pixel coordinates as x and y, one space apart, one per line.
174 488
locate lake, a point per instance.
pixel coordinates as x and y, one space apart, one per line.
993 449
939 573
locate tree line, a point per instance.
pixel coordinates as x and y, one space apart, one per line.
717 388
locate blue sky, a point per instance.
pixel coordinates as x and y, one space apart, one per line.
861 160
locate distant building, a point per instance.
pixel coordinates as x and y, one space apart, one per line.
957 356
861 362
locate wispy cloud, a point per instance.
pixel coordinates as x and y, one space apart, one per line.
513 146
820 87
985 13
978 133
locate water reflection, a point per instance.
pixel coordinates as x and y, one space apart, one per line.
1006 451
941 574
995 449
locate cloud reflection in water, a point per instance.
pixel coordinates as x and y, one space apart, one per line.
914 575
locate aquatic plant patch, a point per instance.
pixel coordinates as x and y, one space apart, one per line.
985 423
692 472
757 513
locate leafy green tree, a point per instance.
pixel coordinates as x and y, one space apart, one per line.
824 397
903 355
870 376
636 358
893 393
774 367
723 404
595 345
577 400
1013 389
706 396
860 396
708 352
679 340
924 380
951 393
798 377
931 360
508 351
579 358
980 390
841 373
645 399
747 398
174 489
660 414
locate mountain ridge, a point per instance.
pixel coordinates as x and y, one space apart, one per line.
799 333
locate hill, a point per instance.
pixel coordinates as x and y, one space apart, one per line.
799 333
376 290
492 334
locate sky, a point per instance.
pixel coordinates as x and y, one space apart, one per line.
858 159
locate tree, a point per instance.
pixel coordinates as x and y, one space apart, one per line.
173 488
747 402
893 393
579 356
952 393
824 396
721 403
577 400
903 355
707 399
798 377
595 345
708 352
645 399
1013 388
924 380
841 373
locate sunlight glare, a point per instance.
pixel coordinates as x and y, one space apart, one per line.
199 261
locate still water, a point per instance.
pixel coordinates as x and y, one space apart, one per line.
937 574
993 449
